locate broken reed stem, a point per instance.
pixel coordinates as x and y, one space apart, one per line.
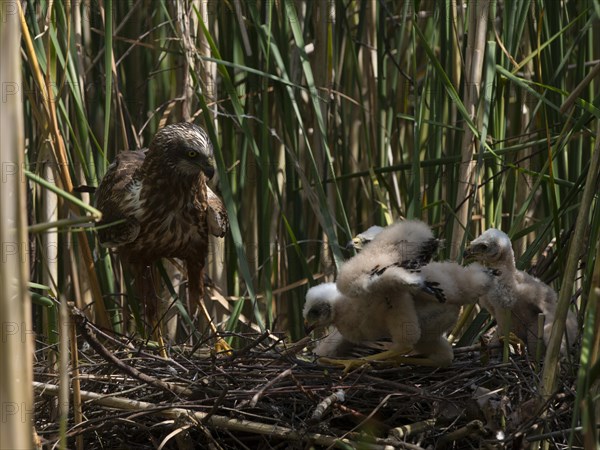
77 409
539 346
549 372
506 333
324 405
215 420
63 371
475 53
411 429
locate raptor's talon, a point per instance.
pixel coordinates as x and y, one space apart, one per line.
222 347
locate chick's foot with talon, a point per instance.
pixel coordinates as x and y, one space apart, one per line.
515 342
349 365
393 357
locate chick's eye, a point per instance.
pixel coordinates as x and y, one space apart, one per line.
192 153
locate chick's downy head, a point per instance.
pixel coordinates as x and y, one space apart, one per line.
362 239
319 307
492 247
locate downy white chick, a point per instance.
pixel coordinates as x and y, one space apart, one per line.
516 291
390 290
418 330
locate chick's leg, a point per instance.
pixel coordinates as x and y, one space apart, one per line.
437 352
506 336
402 321
393 357
349 365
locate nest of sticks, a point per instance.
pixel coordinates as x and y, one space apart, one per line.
272 394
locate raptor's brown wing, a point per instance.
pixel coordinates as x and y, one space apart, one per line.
115 198
218 221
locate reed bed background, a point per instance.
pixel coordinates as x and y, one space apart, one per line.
327 117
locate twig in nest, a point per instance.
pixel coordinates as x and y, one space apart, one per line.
85 329
251 345
371 414
468 373
216 405
397 387
262 390
296 347
369 422
181 434
302 389
473 427
139 351
245 426
324 405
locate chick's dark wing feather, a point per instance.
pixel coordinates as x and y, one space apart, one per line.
425 251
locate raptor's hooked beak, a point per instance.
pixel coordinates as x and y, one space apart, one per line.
475 249
209 171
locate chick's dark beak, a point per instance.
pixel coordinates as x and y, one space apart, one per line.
354 244
308 328
467 253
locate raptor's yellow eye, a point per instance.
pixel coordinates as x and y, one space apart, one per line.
192 153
